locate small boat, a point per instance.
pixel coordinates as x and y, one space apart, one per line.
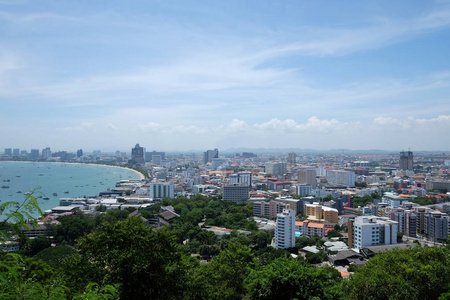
6 180
39 196
17 175
5 187
46 198
55 194
41 174
66 192
19 192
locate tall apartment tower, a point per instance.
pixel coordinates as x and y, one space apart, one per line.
137 154
406 160
209 155
308 176
291 158
285 229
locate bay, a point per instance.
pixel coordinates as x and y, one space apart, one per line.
57 180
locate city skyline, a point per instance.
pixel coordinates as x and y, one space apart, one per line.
178 76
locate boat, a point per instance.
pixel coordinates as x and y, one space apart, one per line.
39 196
66 192
6 180
5 187
19 192
17 175
55 194
46 198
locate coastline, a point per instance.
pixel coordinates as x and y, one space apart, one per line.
141 176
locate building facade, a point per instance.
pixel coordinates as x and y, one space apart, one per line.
236 193
406 160
285 229
159 190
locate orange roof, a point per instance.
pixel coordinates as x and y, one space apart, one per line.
316 225
404 195
345 274
297 223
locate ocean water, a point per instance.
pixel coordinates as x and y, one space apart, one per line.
57 180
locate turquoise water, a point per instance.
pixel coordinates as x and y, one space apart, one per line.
55 181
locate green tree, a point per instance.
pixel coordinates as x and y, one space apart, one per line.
416 273
286 278
146 264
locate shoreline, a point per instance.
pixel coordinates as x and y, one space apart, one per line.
141 176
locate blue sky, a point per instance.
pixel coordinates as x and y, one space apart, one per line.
180 75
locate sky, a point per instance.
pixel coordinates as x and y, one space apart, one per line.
183 75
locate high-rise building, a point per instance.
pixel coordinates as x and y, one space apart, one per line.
162 190
137 154
291 158
304 189
341 177
275 168
149 155
34 154
308 176
217 162
285 229
373 231
79 152
236 193
46 153
241 177
16 152
209 155
8 151
268 209
406 160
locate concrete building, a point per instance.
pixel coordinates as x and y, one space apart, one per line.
291 158
436 226
406 160
241 178
209 155
275 168
268 209
307 228
8 152
308 176
236 193
304 189
159 190
321 214
46 153
149 156
285 229
137 154
372 231
34 154
341 177
217 162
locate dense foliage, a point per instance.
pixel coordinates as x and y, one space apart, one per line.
111 255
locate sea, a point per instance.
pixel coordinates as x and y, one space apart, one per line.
51 181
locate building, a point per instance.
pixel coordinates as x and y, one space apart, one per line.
436 226
372 231
16 152
236 193
159 190
217 162
285 229
291 158
268 209
307 228
208 155
304 189
137 154
321 214
34 154
8 151
241 177
406 161
275 168
46 153
79 152
149 155
341 177
308 176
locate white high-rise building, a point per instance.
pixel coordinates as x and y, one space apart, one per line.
162 190
285 229
241 177
373 231
341 177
